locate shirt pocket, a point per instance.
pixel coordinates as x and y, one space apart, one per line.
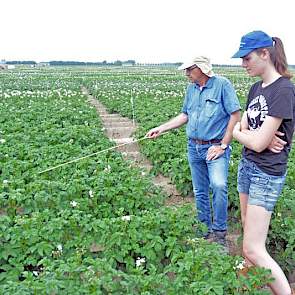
211 106
190 107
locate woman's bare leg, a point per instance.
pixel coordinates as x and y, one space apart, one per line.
256 226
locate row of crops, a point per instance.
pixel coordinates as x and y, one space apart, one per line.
99 225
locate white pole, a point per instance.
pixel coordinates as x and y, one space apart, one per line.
133 109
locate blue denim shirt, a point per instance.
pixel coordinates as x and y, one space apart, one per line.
209 108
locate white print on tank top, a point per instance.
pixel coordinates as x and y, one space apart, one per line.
256 112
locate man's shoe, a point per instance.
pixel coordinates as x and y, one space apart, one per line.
204 235
219 238
209 236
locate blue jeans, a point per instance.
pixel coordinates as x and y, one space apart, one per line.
208 175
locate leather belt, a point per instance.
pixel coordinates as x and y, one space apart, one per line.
200 141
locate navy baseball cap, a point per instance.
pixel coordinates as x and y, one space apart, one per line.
252 41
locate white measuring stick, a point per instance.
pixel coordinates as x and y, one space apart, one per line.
100 152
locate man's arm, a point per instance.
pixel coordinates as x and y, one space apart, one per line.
234 118
175 122
216 151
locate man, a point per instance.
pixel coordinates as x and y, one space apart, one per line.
211 109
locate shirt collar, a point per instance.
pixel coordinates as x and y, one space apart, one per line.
209 83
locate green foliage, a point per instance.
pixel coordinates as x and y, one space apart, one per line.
97 226
157 98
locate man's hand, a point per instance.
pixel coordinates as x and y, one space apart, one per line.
214 152
154 133
277 144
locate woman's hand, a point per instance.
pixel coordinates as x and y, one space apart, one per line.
277 144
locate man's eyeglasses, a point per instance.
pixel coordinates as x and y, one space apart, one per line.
191 68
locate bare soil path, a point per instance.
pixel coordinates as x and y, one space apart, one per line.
120 130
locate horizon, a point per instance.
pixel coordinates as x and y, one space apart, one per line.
100 63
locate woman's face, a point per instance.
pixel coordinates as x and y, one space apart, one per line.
254 64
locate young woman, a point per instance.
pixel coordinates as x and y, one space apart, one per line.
266 131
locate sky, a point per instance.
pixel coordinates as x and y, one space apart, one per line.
147 31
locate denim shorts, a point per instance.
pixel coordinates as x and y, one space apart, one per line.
263 189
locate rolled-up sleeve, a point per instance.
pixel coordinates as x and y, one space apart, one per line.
231 102
185 101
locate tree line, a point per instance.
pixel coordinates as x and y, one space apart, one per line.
72 63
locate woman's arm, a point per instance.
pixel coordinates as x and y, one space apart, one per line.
257 140
244 122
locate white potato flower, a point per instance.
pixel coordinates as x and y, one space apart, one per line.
74 203
126 218
240 265
139 261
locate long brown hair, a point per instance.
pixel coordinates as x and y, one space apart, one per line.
278 57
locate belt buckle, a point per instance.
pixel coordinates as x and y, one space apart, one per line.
200 141
212 141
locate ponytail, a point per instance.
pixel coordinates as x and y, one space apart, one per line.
278 58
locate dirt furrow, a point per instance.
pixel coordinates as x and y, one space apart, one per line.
120 130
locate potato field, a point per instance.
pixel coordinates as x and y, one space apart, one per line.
99 225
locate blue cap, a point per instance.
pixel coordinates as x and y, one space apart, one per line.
252 41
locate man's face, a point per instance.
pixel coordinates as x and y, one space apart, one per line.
193 73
